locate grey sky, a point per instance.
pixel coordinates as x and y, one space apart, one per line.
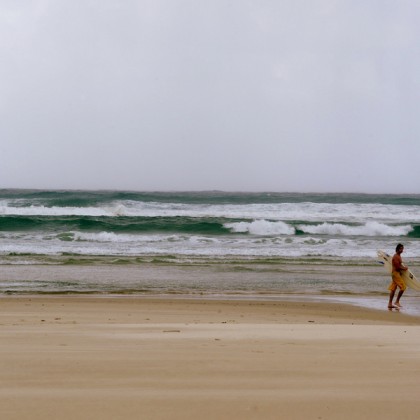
285 95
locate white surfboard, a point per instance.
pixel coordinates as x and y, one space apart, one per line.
408 277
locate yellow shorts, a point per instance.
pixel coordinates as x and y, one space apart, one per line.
397 281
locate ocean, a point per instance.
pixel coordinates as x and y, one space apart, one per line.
202 242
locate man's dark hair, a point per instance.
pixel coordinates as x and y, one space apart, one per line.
399 246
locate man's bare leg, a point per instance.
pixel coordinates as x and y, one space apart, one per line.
391 298
397 302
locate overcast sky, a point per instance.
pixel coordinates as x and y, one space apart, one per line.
280 95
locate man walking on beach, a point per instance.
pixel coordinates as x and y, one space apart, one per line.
397 281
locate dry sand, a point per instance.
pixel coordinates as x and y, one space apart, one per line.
138 358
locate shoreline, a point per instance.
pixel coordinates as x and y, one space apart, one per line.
224 279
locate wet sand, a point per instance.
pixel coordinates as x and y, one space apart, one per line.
129 357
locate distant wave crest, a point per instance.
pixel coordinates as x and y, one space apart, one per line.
261 227
368 229
265 227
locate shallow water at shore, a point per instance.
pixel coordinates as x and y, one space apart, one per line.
364 285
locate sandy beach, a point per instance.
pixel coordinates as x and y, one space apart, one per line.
128 357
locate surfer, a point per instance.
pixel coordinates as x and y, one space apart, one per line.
397 281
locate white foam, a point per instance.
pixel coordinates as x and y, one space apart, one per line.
368 229
56 211
261 227
103 237
310 212
108 243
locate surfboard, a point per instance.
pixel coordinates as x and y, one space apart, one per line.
408 277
